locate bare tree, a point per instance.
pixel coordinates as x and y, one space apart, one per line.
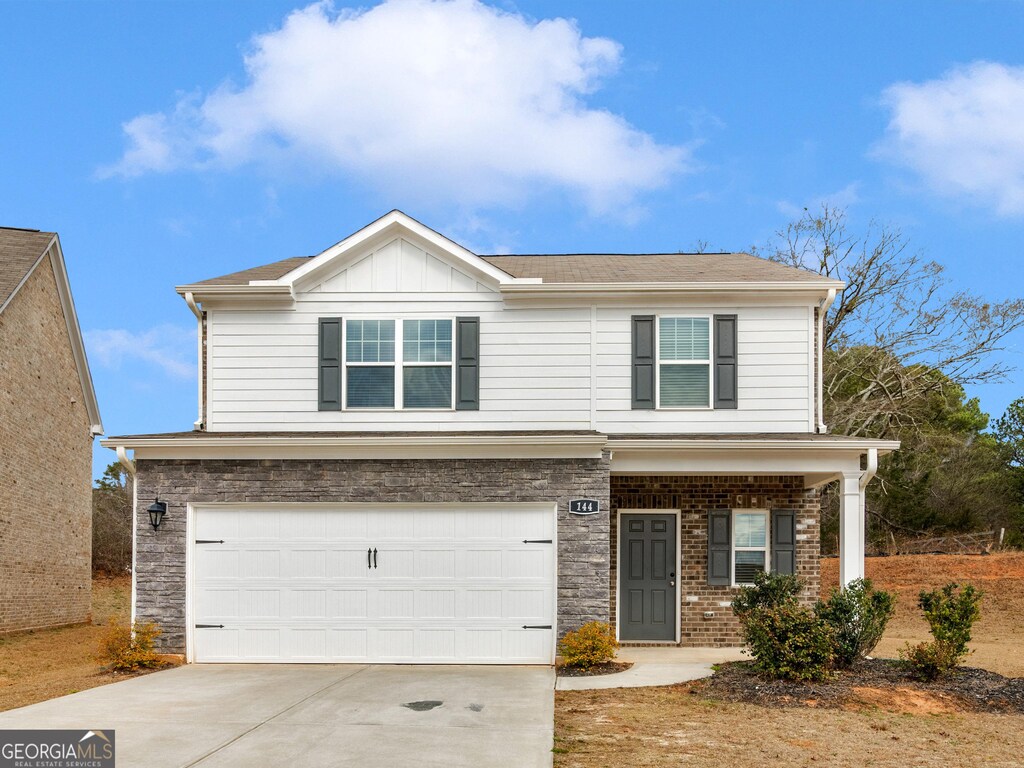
112 522
896 333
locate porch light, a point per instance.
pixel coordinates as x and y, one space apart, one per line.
157 510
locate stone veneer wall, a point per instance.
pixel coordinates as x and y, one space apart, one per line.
582 541
694 496
45 465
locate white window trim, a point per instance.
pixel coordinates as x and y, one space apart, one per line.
398 364
658 362
767 548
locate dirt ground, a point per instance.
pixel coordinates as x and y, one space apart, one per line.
999 633
40 665
678 725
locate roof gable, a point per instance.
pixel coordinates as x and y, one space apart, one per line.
17 264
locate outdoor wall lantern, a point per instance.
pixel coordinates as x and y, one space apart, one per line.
157 510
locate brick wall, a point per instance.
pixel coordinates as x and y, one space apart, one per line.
693 497
582 541
45 465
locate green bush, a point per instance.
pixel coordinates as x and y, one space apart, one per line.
127 649
929 660
951 612
857 616
788 642
770 590
592 644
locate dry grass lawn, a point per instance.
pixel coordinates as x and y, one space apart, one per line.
43 664
672 726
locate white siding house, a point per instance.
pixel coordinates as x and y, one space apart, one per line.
408 452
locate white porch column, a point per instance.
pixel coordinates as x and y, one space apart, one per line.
851 528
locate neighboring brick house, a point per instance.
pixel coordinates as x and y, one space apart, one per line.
48 418
406 452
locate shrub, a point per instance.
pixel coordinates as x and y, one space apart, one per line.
929 660
770 590
593 643
857 616
127 649
788 641
951 612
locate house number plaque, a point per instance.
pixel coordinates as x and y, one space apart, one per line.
584 506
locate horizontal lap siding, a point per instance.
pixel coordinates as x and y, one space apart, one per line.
534 365
774 372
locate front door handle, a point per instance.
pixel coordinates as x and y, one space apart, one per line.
374 557
671 583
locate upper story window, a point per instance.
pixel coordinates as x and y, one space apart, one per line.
684 362
416 373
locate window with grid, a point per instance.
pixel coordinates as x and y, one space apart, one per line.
684 362
750 545
417 373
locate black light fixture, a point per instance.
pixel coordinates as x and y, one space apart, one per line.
157 510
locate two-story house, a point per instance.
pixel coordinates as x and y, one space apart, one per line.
48 419
406 452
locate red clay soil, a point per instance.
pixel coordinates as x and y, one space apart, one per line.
999 633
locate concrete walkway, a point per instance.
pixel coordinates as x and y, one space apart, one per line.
220 715
655 666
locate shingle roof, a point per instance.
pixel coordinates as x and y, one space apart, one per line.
650 268
20 249
597 268
265 272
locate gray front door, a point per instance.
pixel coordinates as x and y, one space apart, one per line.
647 577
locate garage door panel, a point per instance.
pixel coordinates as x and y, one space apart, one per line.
450 585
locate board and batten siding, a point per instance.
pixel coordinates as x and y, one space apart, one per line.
536 364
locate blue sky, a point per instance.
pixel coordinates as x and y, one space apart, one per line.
170 142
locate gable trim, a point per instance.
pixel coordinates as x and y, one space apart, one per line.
389 226
67 303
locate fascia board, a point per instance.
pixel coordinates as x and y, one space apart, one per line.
515 291
67 302
764 444
393 224
427 446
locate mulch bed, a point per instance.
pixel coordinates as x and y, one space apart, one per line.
608 668
886 680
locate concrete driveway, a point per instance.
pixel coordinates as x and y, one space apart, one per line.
217 715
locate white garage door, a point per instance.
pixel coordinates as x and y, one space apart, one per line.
384 583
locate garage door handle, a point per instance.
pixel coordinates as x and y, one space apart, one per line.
209 626
536 541
536 626
368 558
209 541
374 557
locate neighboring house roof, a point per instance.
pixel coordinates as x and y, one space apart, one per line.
21 251
565 269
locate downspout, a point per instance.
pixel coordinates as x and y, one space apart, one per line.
129 466
823 307
871 469
190 300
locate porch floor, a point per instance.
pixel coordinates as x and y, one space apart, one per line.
655 666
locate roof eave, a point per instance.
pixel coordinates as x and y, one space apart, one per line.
597 290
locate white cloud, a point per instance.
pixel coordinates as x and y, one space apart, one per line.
437 97
963 133
169 347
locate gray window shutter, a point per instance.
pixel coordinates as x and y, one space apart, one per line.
467 363
725 362
720 547
783 541
643 362
330 364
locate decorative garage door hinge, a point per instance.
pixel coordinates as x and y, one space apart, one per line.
209 626
536 626
209 541
536 541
